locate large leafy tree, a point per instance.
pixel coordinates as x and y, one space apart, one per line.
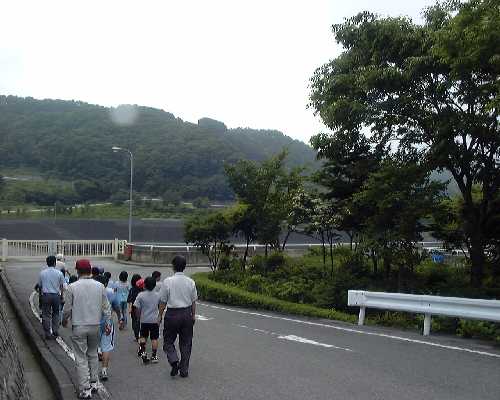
267 191
401 199
348 159
432 87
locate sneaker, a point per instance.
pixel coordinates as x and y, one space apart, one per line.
145 358
94 386
175 368
85 394
139 353
154 359
184 374
104 375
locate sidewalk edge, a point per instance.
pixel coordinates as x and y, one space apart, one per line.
57 376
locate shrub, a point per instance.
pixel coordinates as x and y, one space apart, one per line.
432 277
275 260
254 283
218 292
479 329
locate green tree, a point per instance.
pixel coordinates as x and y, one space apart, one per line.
90 190
244 221
267 190
349 158
401 199
432 87
171 197
201 202
211 234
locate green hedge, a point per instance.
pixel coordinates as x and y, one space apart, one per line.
222 293
226 294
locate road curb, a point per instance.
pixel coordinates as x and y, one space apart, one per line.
57 376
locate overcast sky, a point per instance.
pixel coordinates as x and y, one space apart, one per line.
246 63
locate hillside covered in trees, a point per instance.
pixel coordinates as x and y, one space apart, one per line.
72 140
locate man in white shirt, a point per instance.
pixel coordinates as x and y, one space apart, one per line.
86 303
178 294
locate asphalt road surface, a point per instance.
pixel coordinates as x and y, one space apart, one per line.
248 354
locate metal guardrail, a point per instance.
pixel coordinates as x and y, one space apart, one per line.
486 310
31 249
424 245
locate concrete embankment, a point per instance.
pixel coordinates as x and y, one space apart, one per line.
13 383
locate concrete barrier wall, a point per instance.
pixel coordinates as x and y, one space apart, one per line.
13 385
163 256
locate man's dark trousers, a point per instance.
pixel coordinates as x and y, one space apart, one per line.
51 308
178 321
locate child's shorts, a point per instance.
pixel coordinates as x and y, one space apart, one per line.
107 343
150 330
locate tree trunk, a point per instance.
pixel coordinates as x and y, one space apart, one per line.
387 264
324 250
374 258
477 259
331 254
244 262
474 230
285 240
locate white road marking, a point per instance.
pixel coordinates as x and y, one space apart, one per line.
263 331
101 390
202 318
351 330
33 307
294 338
299 339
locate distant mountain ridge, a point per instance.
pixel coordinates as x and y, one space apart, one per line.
72 140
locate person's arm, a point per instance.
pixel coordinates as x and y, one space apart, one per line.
138 305
61 284
116 308
164 293
106 311
129 301
38 286
68 306
194 297
193 310
161 310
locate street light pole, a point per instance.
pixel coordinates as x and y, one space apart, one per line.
116 149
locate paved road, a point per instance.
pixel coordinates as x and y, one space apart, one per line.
247 354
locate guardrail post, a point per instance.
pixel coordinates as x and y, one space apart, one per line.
5 248
361 319
427 324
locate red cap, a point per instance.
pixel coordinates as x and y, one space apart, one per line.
140 283
84 266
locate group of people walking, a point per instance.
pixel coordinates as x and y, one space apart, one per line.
91 298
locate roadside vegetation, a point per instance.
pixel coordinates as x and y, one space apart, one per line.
402 102
302 286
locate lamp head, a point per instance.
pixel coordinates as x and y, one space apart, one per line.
115 148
